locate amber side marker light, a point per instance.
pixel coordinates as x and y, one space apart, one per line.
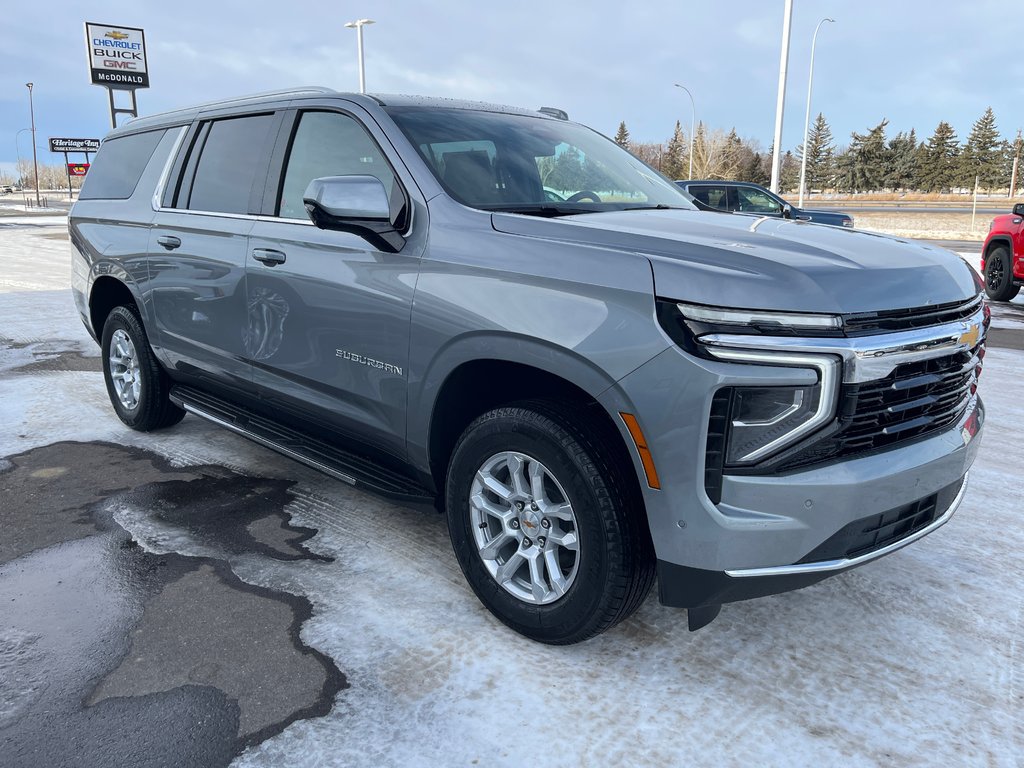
641 448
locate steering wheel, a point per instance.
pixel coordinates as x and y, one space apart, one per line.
583 195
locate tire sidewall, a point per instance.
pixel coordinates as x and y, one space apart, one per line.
122 318
1005 290
585 597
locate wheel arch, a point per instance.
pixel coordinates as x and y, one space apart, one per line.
995 242
477 383
106 293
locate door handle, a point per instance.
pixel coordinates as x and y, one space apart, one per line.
170 242
268 256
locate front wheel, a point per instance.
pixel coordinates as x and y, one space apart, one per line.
137 385
544 524
999 275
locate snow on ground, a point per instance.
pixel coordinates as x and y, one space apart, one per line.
915 660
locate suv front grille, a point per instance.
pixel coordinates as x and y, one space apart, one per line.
916 399
864 323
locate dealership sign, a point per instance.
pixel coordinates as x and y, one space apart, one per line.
74 145
117 56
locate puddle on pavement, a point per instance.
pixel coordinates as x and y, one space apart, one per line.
109 651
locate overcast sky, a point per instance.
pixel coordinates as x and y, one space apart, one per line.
913 62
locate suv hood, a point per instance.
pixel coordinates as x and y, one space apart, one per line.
766 263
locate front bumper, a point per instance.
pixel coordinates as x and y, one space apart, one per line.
680 586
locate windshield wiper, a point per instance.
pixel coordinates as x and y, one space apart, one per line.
658 207
547 211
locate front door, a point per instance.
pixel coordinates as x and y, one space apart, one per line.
327 313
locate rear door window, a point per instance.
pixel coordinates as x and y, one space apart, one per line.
231 156
118 166
329 144
714 196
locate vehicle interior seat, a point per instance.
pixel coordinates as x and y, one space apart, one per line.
471 176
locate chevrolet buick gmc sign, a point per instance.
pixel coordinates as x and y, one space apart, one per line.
117 56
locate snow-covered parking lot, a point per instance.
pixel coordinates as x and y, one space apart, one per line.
915 660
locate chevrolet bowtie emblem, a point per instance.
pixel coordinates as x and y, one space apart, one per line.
969 338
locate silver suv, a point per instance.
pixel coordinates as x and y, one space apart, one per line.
502 313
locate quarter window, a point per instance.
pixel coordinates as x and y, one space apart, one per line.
229 163
329 144
119 165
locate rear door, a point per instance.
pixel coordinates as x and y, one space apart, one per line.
328 313
199 247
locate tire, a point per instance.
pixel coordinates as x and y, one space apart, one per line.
138 387
586 498
999 275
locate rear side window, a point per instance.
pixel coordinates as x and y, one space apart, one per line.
118 166
231 156
329 144
713 196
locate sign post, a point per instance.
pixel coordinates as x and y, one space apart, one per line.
117 61
64 146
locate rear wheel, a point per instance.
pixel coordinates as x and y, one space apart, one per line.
137 385
999 275
543 522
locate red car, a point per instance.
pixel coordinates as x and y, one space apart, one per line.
1002 258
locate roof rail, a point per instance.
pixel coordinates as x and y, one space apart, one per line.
310 89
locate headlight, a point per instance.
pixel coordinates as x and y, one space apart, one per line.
765 420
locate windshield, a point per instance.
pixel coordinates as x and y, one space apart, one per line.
525 164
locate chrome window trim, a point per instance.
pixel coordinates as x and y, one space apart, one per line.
166 172
825 566
866 358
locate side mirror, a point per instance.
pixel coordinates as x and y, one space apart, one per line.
1018 209
355 204
787 211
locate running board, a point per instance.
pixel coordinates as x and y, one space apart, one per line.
350 468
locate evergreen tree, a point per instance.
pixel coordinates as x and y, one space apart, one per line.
903 165
821 162
789 173
865 165
982 154
939 171
622 136
675 163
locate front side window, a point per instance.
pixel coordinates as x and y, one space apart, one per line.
524 164
756 201
228 164
329 144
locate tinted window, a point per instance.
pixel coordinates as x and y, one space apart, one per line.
329 144
713 196
756 201
118 166
230 159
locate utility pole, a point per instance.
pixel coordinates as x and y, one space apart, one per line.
35 162
781 102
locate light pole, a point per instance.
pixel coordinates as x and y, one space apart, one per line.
35 163
358 27
807 116
781 101
693 119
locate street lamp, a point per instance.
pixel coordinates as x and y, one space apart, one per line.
358 27
35 163
693 120
780 102
807 116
